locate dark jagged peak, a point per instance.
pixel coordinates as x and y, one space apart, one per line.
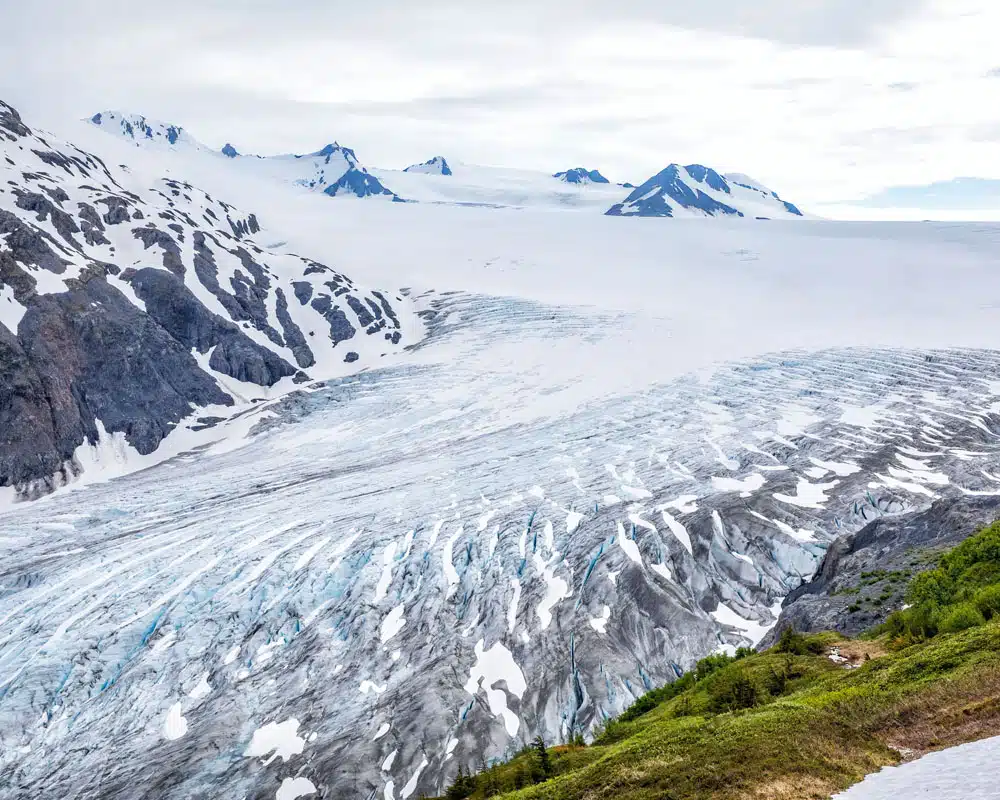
701 191
652 199
229 151
337 171
358 182
436 166
11 126
581 175
331 151
708 176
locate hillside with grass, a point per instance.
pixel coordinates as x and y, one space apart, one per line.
807 718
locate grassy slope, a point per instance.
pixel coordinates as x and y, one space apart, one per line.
823 730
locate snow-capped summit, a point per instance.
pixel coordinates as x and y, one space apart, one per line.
697 190
436 166
335 170
142 130
581 175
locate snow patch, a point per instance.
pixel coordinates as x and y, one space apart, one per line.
279 738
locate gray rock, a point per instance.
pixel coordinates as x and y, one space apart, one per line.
835 599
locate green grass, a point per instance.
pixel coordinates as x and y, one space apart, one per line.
789 723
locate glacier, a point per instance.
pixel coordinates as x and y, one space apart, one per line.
612 448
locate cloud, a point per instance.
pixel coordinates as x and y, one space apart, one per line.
823 99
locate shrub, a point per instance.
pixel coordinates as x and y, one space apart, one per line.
735 689
961 617
988 601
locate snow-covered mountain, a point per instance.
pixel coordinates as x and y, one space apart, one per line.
333 169
436 166
143 131
169 284
696 190
581 175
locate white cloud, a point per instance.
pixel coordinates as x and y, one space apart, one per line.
824 100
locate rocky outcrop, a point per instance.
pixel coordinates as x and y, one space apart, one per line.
95 343
863 575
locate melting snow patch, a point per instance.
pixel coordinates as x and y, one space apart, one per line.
175 726
449 566
386 577
600 624
678 530
807 495
266 651
203 689
839 468
280 738
685 504
745 487
371 686
411 784
754 631
389 792
866 417
967 772
382 731
293 788
387 763
514 601
393 623
573 520
492 666
556 589
802 534
628 545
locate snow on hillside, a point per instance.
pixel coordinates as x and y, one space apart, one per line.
696 190
435 166
144 132
967 772
332 170
472 185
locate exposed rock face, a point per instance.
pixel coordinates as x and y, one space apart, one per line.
122 305
845 595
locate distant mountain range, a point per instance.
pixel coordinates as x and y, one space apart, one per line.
335 170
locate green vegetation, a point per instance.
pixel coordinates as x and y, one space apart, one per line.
791 723
961 592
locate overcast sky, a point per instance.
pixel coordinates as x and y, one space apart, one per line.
824 100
